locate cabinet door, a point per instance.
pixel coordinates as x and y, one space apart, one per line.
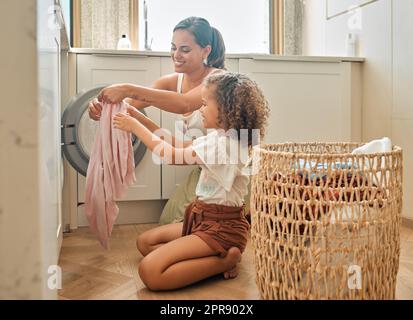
232 65
95 70
172 176
308 101
50 185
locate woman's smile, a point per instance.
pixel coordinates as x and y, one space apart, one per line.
178 63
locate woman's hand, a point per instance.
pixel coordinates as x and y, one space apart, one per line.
113 94
95 109
125 122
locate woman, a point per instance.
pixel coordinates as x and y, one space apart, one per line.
197 49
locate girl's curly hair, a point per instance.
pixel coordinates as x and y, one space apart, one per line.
241 103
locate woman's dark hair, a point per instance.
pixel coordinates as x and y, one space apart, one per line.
206 35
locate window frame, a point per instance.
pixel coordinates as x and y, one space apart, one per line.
276 25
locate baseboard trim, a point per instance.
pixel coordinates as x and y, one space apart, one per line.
407 222
131 212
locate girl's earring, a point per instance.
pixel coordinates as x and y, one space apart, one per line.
206 61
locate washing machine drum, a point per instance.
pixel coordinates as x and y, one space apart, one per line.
78 132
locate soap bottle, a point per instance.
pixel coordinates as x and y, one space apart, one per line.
124 43
351 45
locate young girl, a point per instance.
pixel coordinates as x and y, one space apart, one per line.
214 232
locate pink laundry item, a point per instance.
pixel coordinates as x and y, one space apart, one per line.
110 172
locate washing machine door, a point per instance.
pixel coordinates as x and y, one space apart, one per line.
78 132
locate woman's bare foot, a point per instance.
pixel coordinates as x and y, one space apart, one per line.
233 256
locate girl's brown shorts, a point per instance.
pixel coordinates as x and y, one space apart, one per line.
221 227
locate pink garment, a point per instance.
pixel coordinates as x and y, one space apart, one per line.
111 170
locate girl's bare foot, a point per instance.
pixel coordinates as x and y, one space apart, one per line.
233 256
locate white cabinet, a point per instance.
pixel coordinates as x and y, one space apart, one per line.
309 101
95 70
173 176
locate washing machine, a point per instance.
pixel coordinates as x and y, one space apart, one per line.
78 134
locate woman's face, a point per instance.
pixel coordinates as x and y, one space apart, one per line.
209 109
186 54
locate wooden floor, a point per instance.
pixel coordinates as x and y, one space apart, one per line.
90 272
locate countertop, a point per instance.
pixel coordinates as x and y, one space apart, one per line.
253 56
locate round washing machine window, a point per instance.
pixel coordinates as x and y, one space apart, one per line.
78 132
86 133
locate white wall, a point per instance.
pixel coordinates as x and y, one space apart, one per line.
384 31
402 106
20 234
29 180
314 28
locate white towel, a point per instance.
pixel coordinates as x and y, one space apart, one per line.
375 146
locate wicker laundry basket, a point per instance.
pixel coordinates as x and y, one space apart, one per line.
325 223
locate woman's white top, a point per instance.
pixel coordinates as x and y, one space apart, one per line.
192 126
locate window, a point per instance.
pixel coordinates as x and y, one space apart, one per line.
244 24
65 4
100 24
247 26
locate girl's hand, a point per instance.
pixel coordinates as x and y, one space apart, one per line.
132 111
113 94
125 122
95 109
